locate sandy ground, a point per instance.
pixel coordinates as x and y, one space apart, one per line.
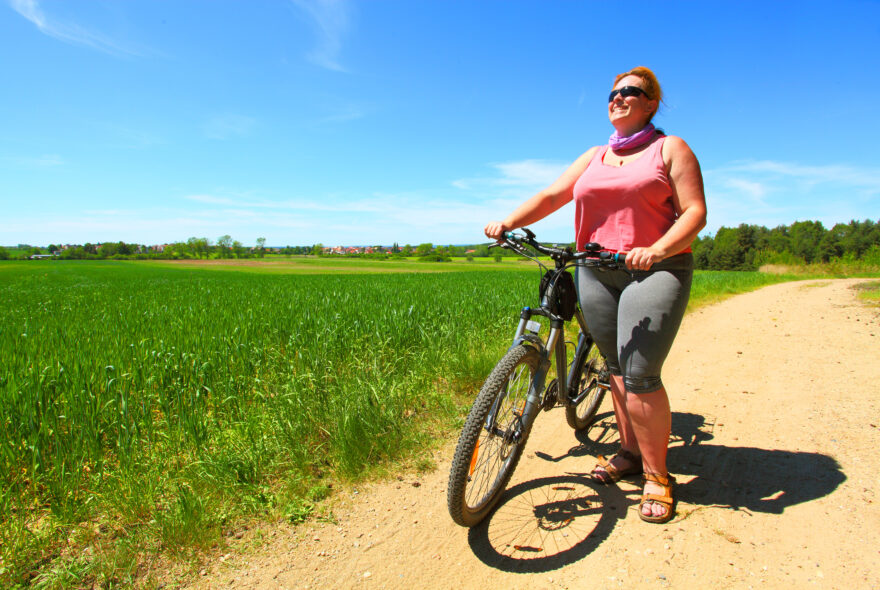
774 445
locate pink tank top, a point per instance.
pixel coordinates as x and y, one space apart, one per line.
624 207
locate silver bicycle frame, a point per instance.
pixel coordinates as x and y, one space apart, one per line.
556 343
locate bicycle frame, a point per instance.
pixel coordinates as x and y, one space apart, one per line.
516 390
555 344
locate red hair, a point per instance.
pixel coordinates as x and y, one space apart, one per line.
649 83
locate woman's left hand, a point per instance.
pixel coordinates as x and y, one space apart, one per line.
642 258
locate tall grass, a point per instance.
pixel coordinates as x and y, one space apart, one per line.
146 408
173 399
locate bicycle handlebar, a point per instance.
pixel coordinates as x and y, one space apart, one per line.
592 253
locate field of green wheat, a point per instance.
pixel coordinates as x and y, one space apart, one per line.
146 409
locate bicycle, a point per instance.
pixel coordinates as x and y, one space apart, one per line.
502 415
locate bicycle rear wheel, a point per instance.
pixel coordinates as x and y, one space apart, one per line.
592 365
492 439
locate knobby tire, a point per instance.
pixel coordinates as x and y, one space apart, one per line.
485 458
589 365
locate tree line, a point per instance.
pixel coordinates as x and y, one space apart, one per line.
224 247
746 247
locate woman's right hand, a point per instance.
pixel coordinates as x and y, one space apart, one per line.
494 229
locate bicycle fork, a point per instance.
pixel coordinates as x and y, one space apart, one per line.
527 333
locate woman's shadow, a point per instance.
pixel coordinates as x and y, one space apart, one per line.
760 480
544 524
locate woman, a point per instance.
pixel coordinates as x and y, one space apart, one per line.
642 194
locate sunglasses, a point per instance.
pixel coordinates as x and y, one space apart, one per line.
626 91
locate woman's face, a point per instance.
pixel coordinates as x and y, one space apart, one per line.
630 112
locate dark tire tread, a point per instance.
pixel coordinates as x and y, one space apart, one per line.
582 416
470 434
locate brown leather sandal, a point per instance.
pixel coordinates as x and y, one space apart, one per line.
606 473
666 500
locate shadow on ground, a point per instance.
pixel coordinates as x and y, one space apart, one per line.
760 480
544 524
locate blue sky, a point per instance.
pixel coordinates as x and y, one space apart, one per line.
377 121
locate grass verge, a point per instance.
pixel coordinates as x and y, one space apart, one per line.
869 292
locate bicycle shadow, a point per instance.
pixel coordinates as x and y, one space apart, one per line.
516 536
547 523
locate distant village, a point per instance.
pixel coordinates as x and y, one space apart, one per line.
225 247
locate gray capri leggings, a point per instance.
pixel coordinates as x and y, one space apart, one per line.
634 317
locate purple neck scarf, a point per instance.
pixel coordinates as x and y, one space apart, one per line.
635 140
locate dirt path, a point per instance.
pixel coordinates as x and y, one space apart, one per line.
775 447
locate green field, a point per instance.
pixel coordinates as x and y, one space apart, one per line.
348 265
147 408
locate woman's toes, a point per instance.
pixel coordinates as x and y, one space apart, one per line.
653 509
659 509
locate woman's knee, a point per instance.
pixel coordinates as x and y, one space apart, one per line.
640 385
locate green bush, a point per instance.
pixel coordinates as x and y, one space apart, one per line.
783 258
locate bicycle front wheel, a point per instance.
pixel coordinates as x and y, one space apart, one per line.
492 439
592 365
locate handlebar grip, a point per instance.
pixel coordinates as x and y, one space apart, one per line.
616 257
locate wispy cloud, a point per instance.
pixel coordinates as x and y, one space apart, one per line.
755 190
772 193
341 115
330 21
210 199
522 175
529 173
382 217
131 138
44 161
324 203
438 216
228 126
852 176
68 32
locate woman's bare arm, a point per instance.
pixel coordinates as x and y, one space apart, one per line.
689 201
545 202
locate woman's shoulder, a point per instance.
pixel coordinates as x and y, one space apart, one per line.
591 153
675 147
674 142
585 158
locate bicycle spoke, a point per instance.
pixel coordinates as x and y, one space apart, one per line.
495 445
